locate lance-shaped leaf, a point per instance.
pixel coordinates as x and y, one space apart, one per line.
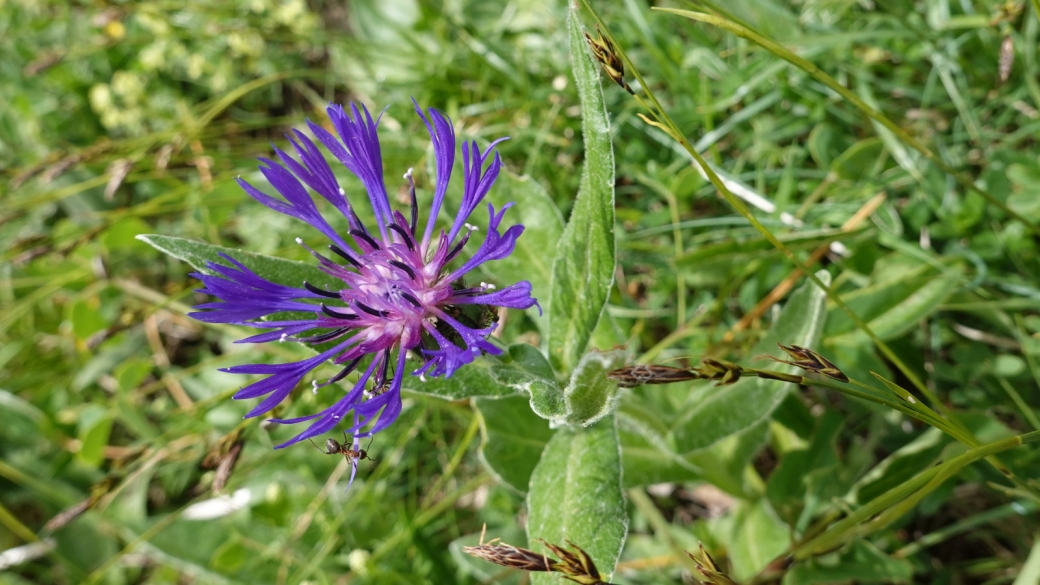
513 439
756 537
583 271
280 270
521 369
726 410
575 495
894 305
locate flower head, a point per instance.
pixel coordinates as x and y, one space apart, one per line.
396 288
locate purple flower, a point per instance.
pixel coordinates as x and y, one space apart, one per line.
396 292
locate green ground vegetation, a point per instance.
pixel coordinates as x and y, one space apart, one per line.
891 145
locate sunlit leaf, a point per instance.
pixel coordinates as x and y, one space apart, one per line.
726 410
583 271
575 494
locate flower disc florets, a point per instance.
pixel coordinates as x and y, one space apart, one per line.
398 292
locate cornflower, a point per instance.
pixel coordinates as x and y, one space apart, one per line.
395 292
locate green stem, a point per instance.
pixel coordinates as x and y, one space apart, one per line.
911 407
876 396
16 527
889 506
956 431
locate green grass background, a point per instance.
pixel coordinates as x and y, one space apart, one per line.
118 119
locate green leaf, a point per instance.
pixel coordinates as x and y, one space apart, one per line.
906 462
548 402
787 482
893 144
280 270
905 294
82 546
744 250
108 357
20 420
756 538
85 317
1026 204
583 270
725 462
862 562
575 494
543 226
889 507
131 373
824 144
230 556
521 368
513 439
860 161
648 458
589 395
95 426
122 236
895 305
726 410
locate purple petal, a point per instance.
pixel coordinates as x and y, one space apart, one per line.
389 402
282 380
449 357
314 170
246 295
292 421
445 361
442 134
475 182
281 333
516 296
301 204
399 261
358 149
495 246
333 415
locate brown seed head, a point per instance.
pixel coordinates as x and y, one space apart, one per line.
606 53
508 555
708 569
632 376
575 565
808 360
720 370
